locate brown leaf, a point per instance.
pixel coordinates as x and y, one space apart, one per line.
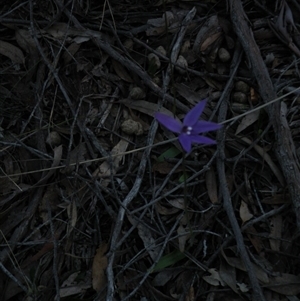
239 264
165 168
121 71
164 210
286 284
255 239
147 238
276 230
211 185
98 268
228 275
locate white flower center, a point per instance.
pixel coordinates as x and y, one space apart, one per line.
188 130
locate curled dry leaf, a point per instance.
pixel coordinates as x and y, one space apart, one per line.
12 52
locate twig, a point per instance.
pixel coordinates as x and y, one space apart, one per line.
141 170
12 277
257 291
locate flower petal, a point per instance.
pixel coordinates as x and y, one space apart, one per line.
202 140
185 142
193 115
205 126
169 122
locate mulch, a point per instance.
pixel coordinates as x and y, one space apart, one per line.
98 201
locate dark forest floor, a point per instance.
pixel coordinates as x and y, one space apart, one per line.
98 201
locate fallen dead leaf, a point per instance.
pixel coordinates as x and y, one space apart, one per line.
98 268
147 238
214 278
12 52
276 231
247 121
268 159
71 287
211 186
245 214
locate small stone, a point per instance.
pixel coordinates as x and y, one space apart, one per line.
128 44
185 47
154 62
131 127
240 97
182 62
137 93
241 86
53 139
224 55
161 50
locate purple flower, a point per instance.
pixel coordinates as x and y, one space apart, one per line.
191 128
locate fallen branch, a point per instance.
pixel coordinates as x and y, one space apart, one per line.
284 144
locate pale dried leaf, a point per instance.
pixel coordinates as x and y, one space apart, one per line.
178 203
214 279
183 236
247 121
105 169
243 287
70 287
245 214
